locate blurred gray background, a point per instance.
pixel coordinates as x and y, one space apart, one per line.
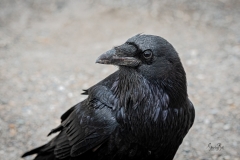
48 50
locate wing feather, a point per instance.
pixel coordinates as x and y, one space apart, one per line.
84 127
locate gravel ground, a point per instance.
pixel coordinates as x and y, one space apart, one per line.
48 50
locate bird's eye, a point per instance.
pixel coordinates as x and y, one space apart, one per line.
147 54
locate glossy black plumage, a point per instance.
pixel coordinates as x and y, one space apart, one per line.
141 111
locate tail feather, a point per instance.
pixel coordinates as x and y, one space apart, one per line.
43 153
50 156
34 151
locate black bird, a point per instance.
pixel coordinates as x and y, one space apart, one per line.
141 111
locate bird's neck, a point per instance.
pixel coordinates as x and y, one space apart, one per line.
135 88
175 85
129 87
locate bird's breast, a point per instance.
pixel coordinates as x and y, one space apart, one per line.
148 128
143 112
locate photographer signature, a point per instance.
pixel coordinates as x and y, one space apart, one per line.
217 147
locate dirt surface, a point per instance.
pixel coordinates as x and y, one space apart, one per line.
48 50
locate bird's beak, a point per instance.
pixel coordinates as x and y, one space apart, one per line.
121 56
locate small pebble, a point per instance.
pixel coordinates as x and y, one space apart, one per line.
226 127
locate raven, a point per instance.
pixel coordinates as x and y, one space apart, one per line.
141 111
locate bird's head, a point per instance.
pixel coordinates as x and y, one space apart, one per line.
152 56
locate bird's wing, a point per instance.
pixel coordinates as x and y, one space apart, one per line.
85 126
84 129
